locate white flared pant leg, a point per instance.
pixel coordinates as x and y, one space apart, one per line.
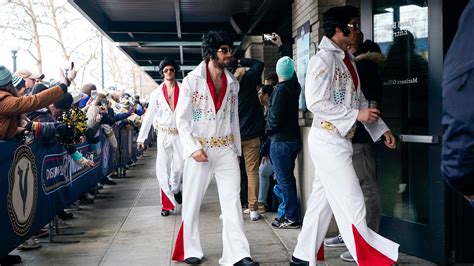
227 173
317 219
196 179
177 164
332 159
163 169
222 165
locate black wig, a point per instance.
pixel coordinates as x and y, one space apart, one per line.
211 41
338 17
167 62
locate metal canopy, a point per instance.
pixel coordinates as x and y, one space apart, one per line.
150 30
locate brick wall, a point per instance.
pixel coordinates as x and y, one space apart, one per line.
302 11
312 11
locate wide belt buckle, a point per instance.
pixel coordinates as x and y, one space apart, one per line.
331 128
170 130
217 142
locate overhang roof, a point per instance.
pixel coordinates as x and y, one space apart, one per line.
149 30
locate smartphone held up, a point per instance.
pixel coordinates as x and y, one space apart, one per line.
269 37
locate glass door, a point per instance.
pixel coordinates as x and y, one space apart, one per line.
409 179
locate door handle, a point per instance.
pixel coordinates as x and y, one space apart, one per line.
428 139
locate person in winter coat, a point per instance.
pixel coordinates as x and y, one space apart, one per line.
252 125
12 107
284 132
457 153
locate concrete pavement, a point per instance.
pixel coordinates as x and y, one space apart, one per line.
124 227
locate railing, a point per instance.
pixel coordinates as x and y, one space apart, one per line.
37 182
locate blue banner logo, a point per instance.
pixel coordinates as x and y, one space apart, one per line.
23 190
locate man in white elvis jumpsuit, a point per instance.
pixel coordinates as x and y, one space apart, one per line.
208 125
161 114
333 95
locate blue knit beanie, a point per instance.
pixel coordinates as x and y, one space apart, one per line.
285 68
5 76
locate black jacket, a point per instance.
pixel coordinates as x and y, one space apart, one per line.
251 120
282 121
371 86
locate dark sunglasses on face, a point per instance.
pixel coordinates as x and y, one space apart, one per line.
354 25
225 50
171 70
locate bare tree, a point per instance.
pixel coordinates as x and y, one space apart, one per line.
49 23
24 22
62 21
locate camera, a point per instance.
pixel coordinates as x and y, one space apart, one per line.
269 37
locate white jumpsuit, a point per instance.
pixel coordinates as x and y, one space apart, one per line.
169 159
333 98
218 133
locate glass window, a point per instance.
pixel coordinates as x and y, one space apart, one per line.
401 30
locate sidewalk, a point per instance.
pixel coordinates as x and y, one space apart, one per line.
124 227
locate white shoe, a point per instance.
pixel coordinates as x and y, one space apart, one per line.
29 244
254 216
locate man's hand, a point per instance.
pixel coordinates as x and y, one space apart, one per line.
200 156
390 140
140 146
98 118
72 74
368 115
19 130
276 40
88 163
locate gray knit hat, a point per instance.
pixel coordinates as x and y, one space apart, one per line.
5 76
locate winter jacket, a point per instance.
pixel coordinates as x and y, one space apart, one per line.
368 68
282 121
252 123
458 110
11 107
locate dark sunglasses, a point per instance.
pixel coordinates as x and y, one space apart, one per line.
225 50
168 69
354 25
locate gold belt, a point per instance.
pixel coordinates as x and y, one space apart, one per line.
331 128
217 142
168 130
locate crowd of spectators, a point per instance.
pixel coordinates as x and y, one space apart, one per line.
57 113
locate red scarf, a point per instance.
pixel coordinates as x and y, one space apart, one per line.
352 70
212 90
175 94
